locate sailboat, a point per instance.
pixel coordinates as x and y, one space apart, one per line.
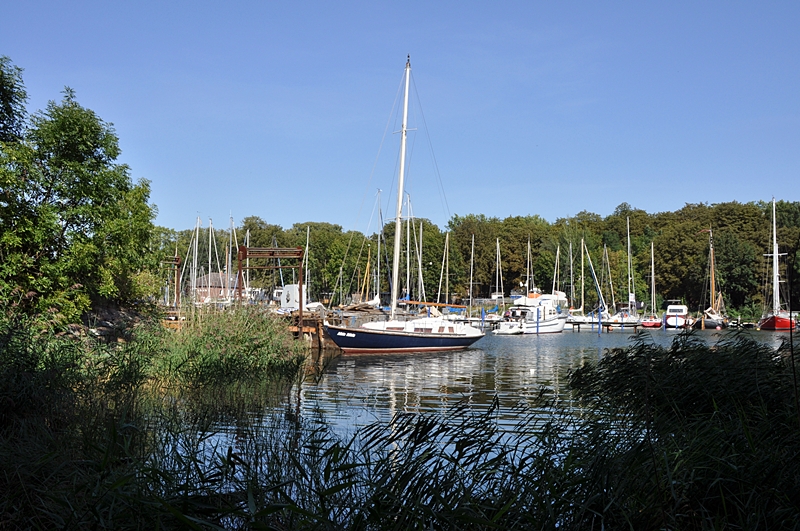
600 314
394 335
776 318
625 315
712 317
499 293
652 320
577 316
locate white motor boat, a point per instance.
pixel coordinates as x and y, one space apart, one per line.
535 314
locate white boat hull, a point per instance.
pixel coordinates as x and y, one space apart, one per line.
546 326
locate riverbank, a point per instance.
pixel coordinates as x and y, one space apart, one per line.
680 434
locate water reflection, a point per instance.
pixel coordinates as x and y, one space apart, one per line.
356 390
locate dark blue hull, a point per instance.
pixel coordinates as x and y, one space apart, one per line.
362 340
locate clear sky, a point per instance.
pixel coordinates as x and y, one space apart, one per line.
278 109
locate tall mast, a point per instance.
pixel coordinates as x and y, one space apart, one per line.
776 301
652 278
713 268
447 267
610 281
378 268
193 271
497 266
571 277
397 225
408 246
442 274
306 258
631 289
528 269
247 260
208 281
418 248
601 300
582 279
471 261
499 276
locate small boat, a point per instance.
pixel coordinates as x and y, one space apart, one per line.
509 328
394 335
652 320
536 313
712 317
416 335
623 318
776 318
677 316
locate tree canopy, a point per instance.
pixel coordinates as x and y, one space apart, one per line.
75 228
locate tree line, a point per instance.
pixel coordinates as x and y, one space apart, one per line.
77 231
741 237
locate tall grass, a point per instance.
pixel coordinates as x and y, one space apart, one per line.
710 435
686 437
83 423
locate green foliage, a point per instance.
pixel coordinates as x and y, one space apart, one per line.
738 267
12 101
73 225
244 345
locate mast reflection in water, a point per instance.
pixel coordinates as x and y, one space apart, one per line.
356 390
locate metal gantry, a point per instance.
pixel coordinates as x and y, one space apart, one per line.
274 255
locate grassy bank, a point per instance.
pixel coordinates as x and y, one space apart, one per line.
687 437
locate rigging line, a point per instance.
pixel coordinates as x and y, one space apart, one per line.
186 261
418 251
213 237
443 195
369 182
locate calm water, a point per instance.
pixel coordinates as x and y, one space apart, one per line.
355 390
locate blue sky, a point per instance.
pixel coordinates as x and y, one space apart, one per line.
278 109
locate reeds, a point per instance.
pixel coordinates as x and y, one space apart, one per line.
687 437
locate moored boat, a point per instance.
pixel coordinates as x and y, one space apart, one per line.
776 318
714 316
652 320
416 335
677 316
393 335
536 314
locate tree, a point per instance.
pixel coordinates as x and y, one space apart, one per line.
737 267
75 228
12 101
